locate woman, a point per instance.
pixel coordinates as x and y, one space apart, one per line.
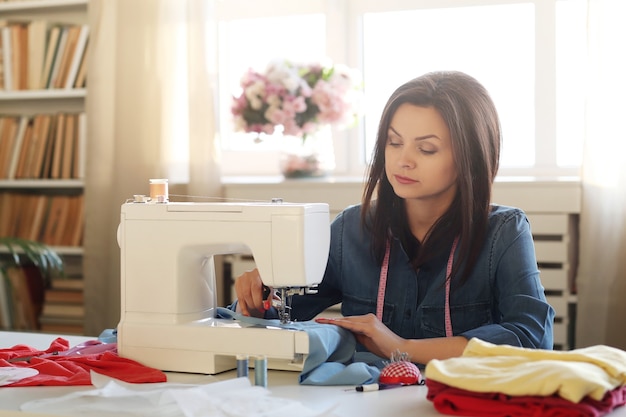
430 262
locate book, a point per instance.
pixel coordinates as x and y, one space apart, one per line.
63 310
40 206
62 220
57 146
78 171
16 152
53 219
1 66
52 45
67 284
25 170
77 57
58 57
39 142
46 162
67 159
25 153
37 34
19 55
81 77
7 68
58 296
65 236
3 23
78 225
6 208
73 33
7 140
24 215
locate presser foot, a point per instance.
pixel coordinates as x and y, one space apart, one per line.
284 310
284 316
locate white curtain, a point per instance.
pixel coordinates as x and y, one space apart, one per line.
150 115
602 270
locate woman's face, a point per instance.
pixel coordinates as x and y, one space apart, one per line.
418 156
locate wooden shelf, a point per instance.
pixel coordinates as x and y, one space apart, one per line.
39 4
55 94
21 184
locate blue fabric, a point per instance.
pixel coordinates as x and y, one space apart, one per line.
331 359
502 302
108 336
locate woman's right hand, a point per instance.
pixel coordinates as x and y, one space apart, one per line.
249 290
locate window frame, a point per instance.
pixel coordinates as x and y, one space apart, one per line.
343 44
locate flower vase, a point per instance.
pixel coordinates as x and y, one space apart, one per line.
309 157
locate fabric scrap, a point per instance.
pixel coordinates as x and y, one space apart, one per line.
113 398
61 365
11 375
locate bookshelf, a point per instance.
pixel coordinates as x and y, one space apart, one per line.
43 137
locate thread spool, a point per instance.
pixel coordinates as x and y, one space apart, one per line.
242 366
260 371
158 190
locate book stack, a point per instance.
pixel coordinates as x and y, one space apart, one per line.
38 55
63 309
56 220
42 146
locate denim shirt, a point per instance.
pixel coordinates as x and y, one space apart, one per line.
502 300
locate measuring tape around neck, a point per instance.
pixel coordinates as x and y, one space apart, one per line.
382 285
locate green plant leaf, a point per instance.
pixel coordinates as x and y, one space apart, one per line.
39 254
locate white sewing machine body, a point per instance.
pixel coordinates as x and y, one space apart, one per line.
168 280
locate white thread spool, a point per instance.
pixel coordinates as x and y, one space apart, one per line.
158 190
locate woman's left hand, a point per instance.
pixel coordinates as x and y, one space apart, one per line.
370 332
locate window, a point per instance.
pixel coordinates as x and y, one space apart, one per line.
571 70
243 52
527 54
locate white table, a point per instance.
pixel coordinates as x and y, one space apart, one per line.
398 402
405 401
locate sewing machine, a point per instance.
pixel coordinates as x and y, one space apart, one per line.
168 286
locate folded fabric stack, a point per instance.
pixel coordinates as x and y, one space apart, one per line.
501 380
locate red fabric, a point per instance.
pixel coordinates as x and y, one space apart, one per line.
19 351
74 369
455 401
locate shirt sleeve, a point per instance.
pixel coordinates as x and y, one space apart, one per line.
523 316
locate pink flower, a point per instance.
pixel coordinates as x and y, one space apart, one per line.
300 98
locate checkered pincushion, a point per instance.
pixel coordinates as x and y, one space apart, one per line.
400 372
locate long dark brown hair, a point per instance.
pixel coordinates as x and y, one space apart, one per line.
472 119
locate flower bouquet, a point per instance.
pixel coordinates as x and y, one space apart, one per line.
299 98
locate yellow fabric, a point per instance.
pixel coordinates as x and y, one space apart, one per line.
573 375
